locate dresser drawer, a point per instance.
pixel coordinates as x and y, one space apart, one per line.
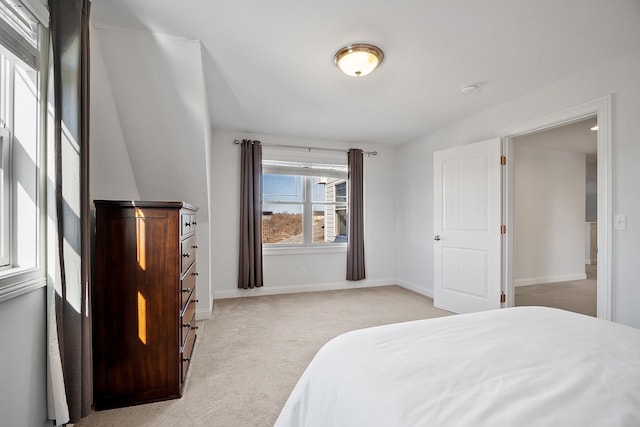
187 353
187 253
188 321
188 286
187 223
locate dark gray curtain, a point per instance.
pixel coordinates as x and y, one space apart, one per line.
70 48
250 271
355 243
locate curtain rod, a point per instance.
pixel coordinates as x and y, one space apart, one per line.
368 153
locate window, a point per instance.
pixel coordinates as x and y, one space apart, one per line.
304 204
21 144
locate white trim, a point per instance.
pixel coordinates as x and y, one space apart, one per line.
602 108
328 248
5 198
529 281
278 290
39 10
203 314
415 288
147 33
18 288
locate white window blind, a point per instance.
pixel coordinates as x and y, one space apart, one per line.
304 169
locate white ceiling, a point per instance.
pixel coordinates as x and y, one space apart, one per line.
269 67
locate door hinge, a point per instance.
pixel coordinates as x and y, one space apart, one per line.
503 229
503 298
503 160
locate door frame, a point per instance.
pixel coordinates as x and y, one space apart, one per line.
602 109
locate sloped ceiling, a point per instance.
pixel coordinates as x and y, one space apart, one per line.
269 68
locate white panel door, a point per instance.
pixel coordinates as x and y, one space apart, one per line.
467 219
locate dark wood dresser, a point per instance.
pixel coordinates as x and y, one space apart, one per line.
144 299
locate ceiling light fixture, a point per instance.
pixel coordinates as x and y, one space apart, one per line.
468 90
359 59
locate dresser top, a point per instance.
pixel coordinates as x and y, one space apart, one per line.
142 204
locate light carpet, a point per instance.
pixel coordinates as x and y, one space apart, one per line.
579 296
251 353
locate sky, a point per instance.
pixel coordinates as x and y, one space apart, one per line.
287 188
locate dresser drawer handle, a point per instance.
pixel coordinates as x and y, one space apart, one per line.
194 301
193 223
188 224
195 327
195 273
186 325
186 255
186 359
186 290
195 247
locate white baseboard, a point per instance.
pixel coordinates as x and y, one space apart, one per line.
549 279
203 314
315 287
415 288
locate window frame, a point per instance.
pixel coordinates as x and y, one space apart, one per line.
307 170
17 280
5 198
342 184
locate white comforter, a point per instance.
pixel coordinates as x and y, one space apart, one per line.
525 366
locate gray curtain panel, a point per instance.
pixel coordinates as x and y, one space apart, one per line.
250 271
355 243
70 48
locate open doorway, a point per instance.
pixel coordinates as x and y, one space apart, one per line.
555 217
599 108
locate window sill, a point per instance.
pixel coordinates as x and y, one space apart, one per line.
304 250
15 282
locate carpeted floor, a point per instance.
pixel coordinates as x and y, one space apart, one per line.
251 353
579 296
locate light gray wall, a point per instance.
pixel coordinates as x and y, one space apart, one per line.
111 173
620 77
23 373
591 201
549 237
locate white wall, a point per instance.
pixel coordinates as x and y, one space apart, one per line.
23 374
549 237
620 77
111 173
591 213
283 273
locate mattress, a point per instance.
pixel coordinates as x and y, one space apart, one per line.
524 366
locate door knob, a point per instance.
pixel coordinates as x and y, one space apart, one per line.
436 237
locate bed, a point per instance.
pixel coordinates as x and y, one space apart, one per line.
524 366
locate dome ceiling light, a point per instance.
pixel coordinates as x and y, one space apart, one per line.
358 59
469 90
